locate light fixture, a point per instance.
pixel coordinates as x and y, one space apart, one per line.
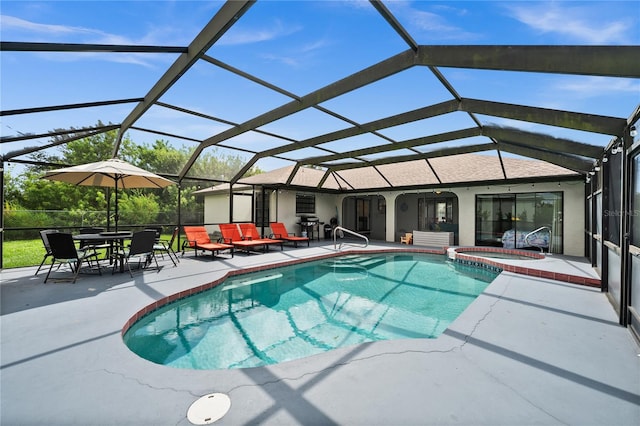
617 147
605 159
597 168
633 132
592 173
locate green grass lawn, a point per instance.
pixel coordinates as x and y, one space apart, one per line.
17 254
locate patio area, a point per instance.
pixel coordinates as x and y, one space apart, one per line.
529 350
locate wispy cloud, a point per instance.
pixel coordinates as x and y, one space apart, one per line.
582 23
243 35
589 87
287 60
433 24
11 23
33 31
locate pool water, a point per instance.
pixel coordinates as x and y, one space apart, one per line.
297 311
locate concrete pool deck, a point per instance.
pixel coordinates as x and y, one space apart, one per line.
529 350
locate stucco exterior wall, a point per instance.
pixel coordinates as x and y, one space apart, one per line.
283 209
286 211
573 210
216 208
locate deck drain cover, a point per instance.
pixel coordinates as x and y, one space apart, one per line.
209 408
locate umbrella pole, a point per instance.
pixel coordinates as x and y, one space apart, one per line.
116 195
108 209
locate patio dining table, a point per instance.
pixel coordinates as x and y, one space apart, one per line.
115 239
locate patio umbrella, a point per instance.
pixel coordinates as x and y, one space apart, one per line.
113 173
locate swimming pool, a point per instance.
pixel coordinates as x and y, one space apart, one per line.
296 311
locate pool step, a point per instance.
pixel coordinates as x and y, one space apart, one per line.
351 261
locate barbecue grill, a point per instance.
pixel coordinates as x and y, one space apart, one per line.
310 225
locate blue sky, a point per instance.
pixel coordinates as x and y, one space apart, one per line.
300 46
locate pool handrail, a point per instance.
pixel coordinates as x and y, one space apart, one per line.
526 238
348 231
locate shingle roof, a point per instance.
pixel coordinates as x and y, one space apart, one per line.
455 169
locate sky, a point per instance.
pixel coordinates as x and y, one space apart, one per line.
299 46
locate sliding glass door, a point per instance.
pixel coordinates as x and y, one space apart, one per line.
523 220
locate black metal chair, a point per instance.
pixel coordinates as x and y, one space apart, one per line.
163 246
45 242
95 244
64 252
140 250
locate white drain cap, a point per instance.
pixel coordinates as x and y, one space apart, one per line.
209 408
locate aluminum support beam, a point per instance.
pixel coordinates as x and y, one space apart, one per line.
570 120
369 75
228 15
543 142
403 158
608 61
572 163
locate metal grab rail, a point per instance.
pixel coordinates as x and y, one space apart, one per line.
348 231
526 238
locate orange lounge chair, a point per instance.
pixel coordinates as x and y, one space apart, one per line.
280 232
197 238
231 235
250 232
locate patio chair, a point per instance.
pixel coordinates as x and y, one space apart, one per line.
406 238
157 230
280 232
198 238
140 250
95 244
45 242
250 239
163 246
64 252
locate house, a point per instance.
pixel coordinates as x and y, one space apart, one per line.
481 200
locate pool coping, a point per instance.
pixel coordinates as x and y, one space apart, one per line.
523 270
450 252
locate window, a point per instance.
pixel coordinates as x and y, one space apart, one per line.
305 204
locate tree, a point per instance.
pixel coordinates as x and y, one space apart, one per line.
140 206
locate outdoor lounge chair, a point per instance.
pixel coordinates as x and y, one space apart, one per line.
280 232
250 233
198 238
248 243
63 251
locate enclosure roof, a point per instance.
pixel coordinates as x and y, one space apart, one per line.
330 95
